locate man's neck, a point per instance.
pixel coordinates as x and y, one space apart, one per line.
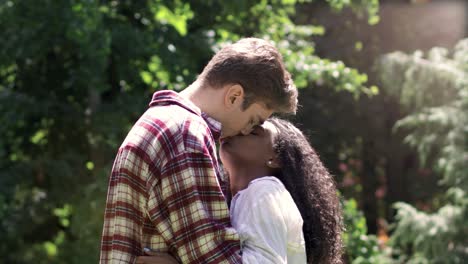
205 98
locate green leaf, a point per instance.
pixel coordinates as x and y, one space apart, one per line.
358 46
146 77
373 20
50 248
288 2
177 18
90 165
39 137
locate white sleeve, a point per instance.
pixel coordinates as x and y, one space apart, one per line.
261 226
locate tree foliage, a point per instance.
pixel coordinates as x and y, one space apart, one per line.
434 90
361 248
75 75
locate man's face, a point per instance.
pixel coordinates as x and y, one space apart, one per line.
243 121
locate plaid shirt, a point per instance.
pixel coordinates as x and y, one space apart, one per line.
164 190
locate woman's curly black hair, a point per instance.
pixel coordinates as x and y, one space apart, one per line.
314 192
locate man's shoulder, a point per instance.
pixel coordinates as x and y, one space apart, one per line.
173 117
177 120
171 125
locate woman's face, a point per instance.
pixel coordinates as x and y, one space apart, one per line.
252 150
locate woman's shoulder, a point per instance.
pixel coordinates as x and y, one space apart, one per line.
265 181
266 196
260 193
263 187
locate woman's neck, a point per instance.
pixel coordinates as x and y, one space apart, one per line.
241 177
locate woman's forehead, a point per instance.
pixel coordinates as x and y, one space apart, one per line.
270 127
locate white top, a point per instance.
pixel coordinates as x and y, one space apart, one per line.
268 222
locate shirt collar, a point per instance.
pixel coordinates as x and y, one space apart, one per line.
168 97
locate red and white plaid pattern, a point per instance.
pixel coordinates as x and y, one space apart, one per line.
164 190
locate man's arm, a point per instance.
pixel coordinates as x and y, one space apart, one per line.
197 211
123 221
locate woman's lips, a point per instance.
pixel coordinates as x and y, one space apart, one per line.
224 140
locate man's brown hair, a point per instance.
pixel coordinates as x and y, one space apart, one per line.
258 67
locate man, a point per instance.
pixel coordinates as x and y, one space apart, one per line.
164 191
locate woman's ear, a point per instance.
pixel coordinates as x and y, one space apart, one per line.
234 96
273 163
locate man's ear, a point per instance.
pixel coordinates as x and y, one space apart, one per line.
234 96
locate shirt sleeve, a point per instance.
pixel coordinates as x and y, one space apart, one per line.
125 208
261 226
198 213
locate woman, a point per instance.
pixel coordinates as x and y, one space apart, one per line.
278 181
284 206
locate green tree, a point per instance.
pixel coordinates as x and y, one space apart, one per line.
75 75
361 248
433 88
